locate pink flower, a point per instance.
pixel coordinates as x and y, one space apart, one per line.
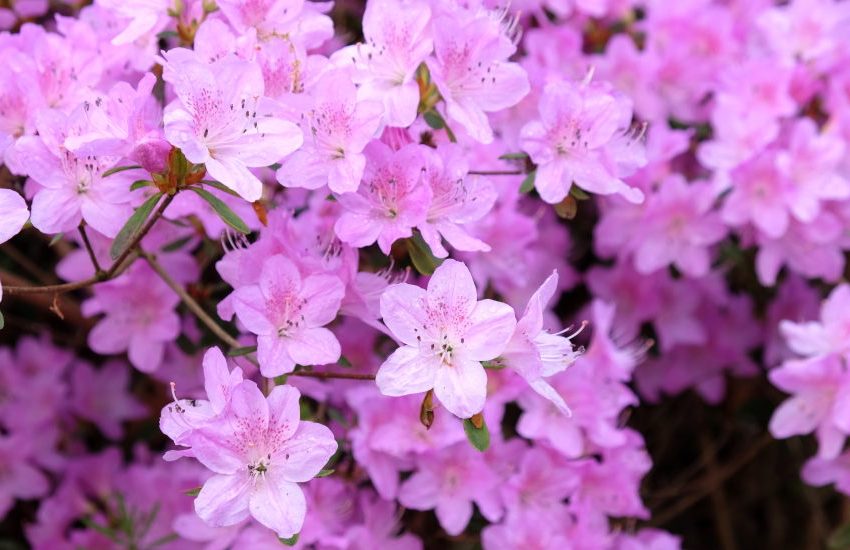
471 71
259 450
337 128
139 317
288 314
396 42
450 481
179 419
73 187
829 335
535 353
221 119
457 199
13 214
109 409
144 15
582 137
20 478
390 202
445 334
820 402
678 226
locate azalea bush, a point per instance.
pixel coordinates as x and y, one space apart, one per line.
424 274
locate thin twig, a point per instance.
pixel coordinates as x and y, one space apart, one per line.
496 172
329 375
190 302
117 267
89 248
22 260
708 485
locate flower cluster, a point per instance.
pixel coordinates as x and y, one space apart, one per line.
350 251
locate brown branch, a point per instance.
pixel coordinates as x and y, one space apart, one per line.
705 487
89 249
496 172
190 302
330 375
117 268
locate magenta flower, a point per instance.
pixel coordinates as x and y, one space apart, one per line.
457 199
20 478
139 317
471 70
107 410
385 64
829 335
820 402
450 481
534 352
445 333
582 137
677 228
259 450
337 128
221 119
390 202
288 314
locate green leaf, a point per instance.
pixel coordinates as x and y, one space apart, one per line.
221 187
195 491
840 538
434 120
495 364
514 156
224 212
420 254
528 182
2 321
578 194
291 541
344 362
325 473
140 184
305 411
56 238
119 169
280 380
133 225
479 437
239 352
176 244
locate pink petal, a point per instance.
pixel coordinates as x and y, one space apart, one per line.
402 309
314 346
223 499
491 325
279 505
461 387
406 372
304 455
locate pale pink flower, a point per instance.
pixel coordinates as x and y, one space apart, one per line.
222 119
396 42
259 450
583 136
445 333
145 17
457 199
288 314
535 353
471 71
13 214
390 202
336 129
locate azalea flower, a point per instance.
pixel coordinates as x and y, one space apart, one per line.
445 334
